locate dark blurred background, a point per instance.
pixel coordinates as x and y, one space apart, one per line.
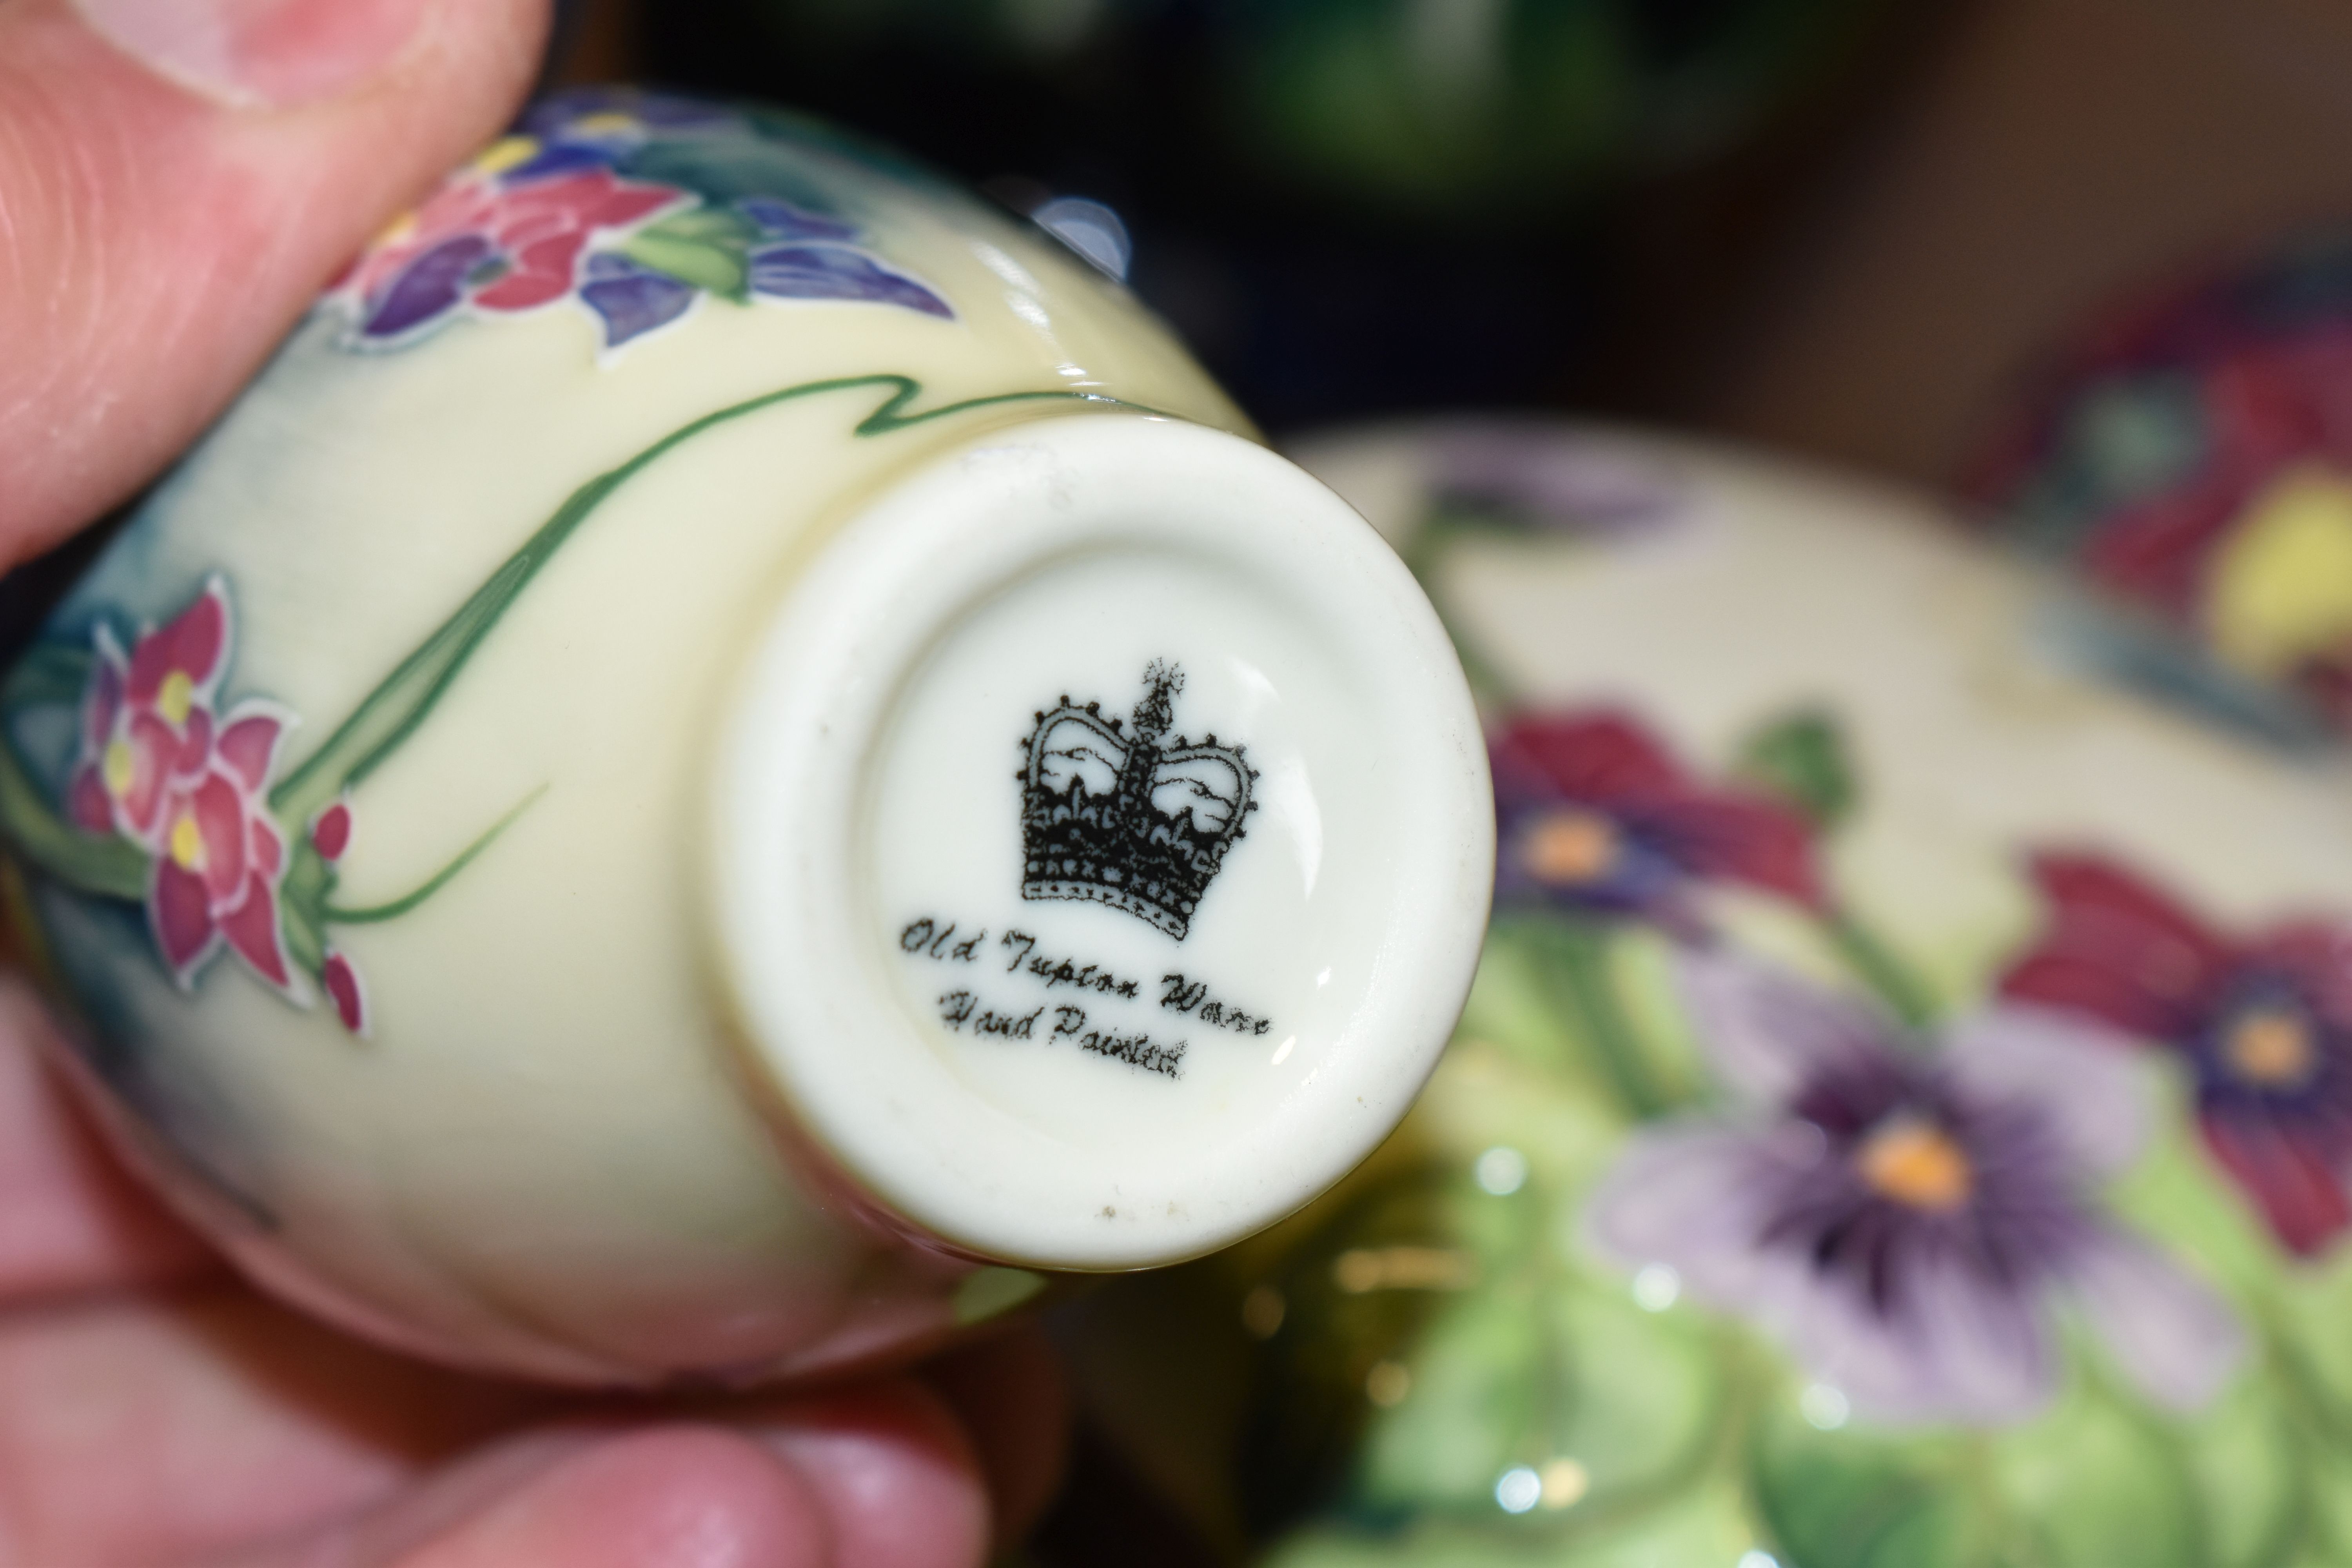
1851 227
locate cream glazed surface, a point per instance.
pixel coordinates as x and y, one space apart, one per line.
387 798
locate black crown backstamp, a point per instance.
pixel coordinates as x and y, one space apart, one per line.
1121 814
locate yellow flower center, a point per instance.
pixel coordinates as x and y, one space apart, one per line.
116 767
187 845
395 232
175 696
507 153
1570 848
1917 1163
2270 1047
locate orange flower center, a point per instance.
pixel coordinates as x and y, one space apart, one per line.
175 696
2270 1048
1917 1163
1570 848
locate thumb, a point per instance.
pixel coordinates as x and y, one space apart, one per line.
177 180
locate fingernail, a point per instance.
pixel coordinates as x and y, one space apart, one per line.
259 53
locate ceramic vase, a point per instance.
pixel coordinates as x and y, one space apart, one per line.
1902 1113
730 757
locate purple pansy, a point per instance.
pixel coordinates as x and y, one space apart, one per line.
2262 1019
1595 815
1910 1221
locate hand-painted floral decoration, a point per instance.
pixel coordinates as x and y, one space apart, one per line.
629 204
1594 814
1909 1220
177 801
2263 1024
163 768
1735 1234
2192 456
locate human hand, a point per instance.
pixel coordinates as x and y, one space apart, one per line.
177 180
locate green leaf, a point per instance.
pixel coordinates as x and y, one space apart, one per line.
2310 1310
1581 975
1640 1394
1469 1414
2328 1542
2093 1484
715 266
2250 1470
1802 758
47 674
1856 1499
101 864
706 226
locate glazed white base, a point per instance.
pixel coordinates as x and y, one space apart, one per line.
1045 1079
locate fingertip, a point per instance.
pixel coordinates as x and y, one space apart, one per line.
894 1469
155 244
685 1494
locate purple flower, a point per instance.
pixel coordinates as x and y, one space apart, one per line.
1909 1223
2262 1020
1595 815
631 299
808 255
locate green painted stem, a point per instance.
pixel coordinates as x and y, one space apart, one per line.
1874 963
392 711
87 862
48 675
114 867
331 915
1586 986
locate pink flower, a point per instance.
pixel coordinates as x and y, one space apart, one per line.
161 767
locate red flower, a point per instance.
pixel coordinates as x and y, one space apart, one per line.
159 767
1596 815
506 246
331 835
2264 1023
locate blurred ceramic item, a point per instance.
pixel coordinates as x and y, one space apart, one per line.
1905 1111
727 756
2191 455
